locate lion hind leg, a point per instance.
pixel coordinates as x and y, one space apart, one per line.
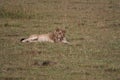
34 39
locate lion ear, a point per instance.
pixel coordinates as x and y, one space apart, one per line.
57 29
64 31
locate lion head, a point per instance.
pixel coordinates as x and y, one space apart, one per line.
59 34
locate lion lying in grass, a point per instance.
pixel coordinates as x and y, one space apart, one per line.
56 36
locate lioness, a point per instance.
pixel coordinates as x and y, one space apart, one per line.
57 36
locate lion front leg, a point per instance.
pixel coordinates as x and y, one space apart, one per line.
65 41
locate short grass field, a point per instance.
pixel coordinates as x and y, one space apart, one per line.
93 29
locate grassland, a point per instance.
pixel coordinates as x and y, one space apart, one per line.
93 28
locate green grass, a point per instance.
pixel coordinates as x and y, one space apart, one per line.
93 28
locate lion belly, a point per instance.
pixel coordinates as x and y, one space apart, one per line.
44 38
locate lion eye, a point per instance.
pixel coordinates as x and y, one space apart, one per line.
59 33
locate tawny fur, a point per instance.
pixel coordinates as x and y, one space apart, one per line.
57 36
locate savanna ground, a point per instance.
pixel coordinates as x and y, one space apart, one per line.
93 28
